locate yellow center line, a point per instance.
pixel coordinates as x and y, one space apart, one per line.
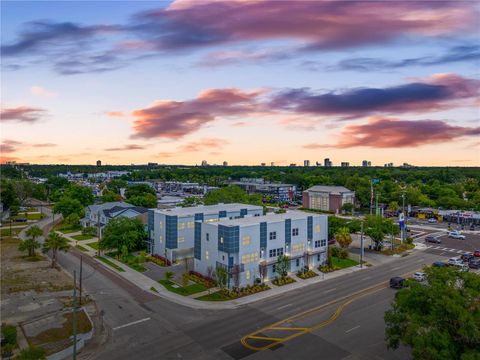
303 330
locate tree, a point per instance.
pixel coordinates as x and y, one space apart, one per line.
139 190
72 220
393 206
231 194
122 231
439 319
7 194
81 193
347 207
31 243
221 275
110 196
283 265
169 275
343 237
115 185
89 231
67 206
55 242
146 200
335 223
378 227
191 201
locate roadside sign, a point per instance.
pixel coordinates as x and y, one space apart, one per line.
401 220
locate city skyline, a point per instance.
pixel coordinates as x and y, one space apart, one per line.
242 81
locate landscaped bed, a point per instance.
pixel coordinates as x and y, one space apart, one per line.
111 264
82 237
225 294
283 281
93 245
337 264
178 289
307 274
130 260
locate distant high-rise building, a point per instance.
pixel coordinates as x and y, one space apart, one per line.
366 163
306 162
204 163
99 163
345 164
318 163
388 165
152 164
225 163
327 162
263 164
272 164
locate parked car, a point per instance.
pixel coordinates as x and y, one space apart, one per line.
21 219
476 253
439 264
419 276
433 239
462 268
397 282
466 257
432 220
474 264
455 261
456 235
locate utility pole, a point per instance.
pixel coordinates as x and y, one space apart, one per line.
361 246
377 210
80 279
371 196
74 314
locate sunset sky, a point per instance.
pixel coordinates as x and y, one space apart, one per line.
243 81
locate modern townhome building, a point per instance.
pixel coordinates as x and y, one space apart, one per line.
327 198
171 231
99 215
248 248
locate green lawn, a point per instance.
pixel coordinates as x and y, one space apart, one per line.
36 216
81 248
68 231
343 263
82 237
185 291
6 231
93 245
108 262
216 296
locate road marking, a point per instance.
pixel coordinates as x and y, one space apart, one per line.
366 278
284 306
131 323
443 252
354 328
327 291
396 268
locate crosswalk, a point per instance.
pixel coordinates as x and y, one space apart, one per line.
446 249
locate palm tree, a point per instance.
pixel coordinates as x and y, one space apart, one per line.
55 242
343 237
31 243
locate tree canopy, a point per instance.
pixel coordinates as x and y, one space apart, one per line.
123 232
440 319
231 194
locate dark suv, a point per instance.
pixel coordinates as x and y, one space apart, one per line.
439 264
433 239
466 257
474 264
397 282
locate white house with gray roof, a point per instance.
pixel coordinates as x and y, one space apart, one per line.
248 248
171 231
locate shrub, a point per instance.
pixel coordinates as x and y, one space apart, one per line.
283 281
335 251
32 353
89 231
165 260
208 282
169 275
307 274
10 334
409 240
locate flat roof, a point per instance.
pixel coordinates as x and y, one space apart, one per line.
329 189
270 217
260 184
207 209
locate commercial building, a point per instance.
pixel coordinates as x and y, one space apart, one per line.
306 162
327 198
99 163
248 248
327 162
345 164
171 231
280 192
99 215
366 163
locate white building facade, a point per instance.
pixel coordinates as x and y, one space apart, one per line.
248 248
172 231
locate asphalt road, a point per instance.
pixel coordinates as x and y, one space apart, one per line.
143 326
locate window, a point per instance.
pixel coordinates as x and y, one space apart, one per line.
161 239
275 252
273 235
295 232
318 257
207 236
317 228
246 240
248 258
298 248
274 268
247 274
191 224
161 224
206 254
317 243
181 226
279 251
181 239
211 220
323 242
221 239
223 257
297 262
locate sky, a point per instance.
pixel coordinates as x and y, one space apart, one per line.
242 81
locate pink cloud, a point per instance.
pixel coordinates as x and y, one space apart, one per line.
10 146
127 147
22 114
115 113
175 119
203 144
394 133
